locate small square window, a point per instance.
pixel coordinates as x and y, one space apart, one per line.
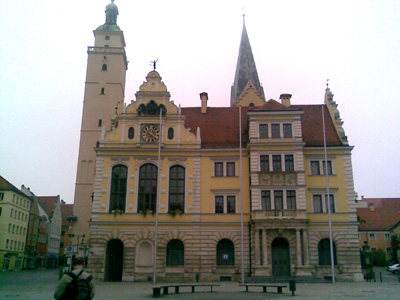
264 163
230 169
219 169
263 131
275 131
107 37
219 204
287 130
315 167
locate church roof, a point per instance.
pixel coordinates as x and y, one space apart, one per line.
219 127
245 69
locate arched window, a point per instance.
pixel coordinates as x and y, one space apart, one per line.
147 187
100 122
324 252
177 188
170 133
102 91
131 133
175 253
104 67
225 253
118 188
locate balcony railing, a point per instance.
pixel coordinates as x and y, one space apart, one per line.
280 214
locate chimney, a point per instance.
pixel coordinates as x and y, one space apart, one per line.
204 99
371 207
285 99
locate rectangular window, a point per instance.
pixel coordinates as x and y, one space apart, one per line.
329 167
219 204
276 163
219 169
289 163
278 199
372 236
231 204
387 236
291 199
275 131
264 163
287 130
1 196
61 245
315 167
373 249
332 203
263 131
230 169
11 213
266 200
0 210
317 203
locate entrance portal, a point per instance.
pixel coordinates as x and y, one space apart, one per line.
114 261
280 257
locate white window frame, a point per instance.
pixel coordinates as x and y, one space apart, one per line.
270 161
225 168
388 236
284 196
321 162
278 122
323 195
372 237
225 203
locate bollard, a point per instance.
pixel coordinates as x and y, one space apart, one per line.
292 286
380 275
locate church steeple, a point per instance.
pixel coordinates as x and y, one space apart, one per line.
245 69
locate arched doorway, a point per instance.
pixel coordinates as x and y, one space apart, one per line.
280 257
114 260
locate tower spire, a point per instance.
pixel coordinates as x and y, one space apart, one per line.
245 69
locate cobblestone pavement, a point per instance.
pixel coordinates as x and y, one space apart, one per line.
35 285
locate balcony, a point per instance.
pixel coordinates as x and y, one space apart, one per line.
280 214
277 178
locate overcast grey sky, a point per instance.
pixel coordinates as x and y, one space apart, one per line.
297 46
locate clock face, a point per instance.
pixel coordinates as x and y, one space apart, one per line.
150 133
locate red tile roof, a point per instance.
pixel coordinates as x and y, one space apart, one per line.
384 202
272 105
379 219
48 203
219 127
312 126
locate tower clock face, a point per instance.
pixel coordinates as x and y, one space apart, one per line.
151 133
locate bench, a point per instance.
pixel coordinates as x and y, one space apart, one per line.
165 287
279 287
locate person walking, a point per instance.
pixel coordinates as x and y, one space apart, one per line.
75 285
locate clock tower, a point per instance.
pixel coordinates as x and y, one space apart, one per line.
104 96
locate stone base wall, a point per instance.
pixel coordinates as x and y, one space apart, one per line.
348 266
200 254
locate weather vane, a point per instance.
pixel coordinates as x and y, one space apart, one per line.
154 63
327 83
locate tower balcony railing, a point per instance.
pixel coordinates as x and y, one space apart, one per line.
279 214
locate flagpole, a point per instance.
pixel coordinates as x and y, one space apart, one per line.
157 204
241 191
328 199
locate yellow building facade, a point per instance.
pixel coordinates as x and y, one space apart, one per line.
213 193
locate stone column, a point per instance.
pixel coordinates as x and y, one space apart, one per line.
305 247
257 245
264 246
298 242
